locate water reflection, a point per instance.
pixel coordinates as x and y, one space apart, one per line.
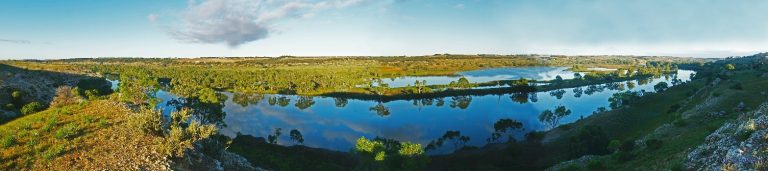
335 123
484 75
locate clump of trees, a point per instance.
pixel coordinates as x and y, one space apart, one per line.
392 155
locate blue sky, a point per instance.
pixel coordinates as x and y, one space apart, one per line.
180 28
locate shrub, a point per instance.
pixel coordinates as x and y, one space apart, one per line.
589 140
147 121
65 95
32 107
16 95
52 122
8 141
54 151
180 139
653 144
67 131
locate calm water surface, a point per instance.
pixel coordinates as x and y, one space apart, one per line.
486 75
326 124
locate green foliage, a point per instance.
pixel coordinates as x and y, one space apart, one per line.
8 141
730 67
67 131
461 83
54 151
16 95
181 138
374 155
661 86
653 144
620 99
589 140
32 107
614 145
147 121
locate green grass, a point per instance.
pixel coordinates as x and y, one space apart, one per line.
41 137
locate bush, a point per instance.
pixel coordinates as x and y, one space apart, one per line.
8 141
32 107
653 144
589 140
65 95
67 131
180 139
52 122
54 151
147 121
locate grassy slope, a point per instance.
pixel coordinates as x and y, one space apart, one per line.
98 140
646 116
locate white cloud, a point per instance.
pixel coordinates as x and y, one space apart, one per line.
235 22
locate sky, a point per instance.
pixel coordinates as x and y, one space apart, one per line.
52 29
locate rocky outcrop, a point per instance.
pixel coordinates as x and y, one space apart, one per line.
738 145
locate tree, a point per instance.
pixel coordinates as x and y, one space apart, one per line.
661 86
274 136
296 136
552 119
577 76
558 78
730 67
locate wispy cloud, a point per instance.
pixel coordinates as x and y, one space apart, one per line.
15 41
235 22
